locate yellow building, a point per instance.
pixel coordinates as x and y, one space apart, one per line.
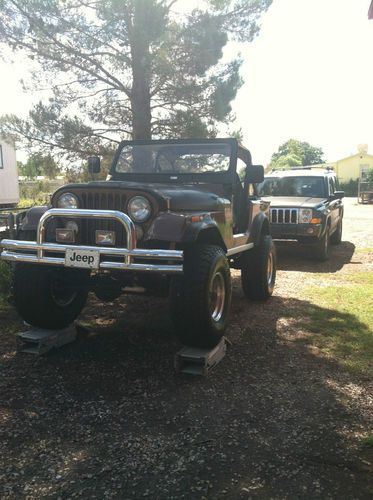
355 166
352 167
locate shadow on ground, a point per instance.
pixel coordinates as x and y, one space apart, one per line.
107 417
291 256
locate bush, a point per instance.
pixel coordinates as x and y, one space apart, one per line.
35 191
350 188
5 279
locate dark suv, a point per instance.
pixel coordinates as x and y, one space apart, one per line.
306 205
172 218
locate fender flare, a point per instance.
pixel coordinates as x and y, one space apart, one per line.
259 226
205 231
31 220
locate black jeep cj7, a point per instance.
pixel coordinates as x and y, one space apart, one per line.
172 218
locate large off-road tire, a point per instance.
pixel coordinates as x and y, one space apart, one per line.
200 299
321 250
258 270
42 300
336 237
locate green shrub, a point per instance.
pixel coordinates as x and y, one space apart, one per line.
35 191
350 187
5 279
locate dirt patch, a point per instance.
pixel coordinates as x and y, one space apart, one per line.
106 417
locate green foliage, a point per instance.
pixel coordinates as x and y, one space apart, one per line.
369 176
122 68
34 193
38 164
296 153
80 173
5 279
367 442
350 188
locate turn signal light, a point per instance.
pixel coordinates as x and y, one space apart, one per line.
315 221
105 237
65 235
196 218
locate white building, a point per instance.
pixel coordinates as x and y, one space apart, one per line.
9 190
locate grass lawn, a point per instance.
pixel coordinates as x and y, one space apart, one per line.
339 319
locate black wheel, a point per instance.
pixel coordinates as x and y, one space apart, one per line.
43 297
26 235
200 299
321 249
336 237
258 270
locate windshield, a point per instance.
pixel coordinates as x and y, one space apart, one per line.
312 187
174 158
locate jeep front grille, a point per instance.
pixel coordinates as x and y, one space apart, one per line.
284 215
102 200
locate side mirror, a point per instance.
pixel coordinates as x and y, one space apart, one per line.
94 165
254 174
339 194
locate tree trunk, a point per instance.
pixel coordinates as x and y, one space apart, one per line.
140 95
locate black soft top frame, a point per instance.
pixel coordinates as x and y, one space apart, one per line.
236 151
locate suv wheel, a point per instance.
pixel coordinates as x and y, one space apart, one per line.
258 270
41 299
321 249
200 299
336 237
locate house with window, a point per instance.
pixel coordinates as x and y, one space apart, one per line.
355 166
9 190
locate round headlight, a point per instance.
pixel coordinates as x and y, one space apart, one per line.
67 200
139 209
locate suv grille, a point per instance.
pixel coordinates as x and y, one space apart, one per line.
102 201
284 215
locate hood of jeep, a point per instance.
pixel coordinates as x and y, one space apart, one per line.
181 198
293 202
175 197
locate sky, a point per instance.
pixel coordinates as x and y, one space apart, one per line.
308 75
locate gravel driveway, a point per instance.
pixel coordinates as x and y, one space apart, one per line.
106 417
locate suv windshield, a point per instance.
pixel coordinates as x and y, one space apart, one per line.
313 187
174 158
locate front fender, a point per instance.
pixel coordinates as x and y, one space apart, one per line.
180 228
260 225
31 220
193 229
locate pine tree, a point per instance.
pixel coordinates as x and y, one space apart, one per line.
126 68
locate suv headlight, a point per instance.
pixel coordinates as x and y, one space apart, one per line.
139 209
305 215
68 200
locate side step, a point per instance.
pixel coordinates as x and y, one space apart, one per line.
39 341
196 361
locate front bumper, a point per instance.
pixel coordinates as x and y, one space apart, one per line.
125 259
296 231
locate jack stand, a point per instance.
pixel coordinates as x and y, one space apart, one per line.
197 361
39 340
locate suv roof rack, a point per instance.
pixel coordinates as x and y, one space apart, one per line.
304 167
